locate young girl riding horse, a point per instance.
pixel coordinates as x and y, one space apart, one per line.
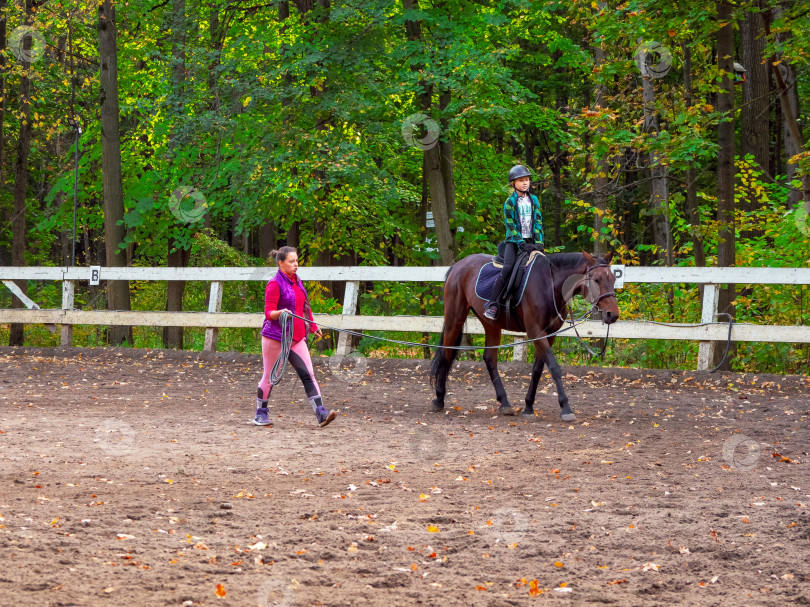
524 232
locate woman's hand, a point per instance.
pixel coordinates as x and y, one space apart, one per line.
318 333
276 314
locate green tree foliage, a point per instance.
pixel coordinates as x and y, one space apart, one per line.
300 121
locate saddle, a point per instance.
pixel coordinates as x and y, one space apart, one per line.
522 259
517 281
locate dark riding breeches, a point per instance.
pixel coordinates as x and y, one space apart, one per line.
510 253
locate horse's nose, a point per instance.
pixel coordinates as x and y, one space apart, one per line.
609 317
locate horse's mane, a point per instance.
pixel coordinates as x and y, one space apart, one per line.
565 261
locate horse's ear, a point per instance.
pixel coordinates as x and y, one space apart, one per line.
609 256
588 257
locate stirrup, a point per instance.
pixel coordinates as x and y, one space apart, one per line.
487 309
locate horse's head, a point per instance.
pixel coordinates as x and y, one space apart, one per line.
597 286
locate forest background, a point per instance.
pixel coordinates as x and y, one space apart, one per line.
210 133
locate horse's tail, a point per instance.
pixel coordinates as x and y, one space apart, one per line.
439 363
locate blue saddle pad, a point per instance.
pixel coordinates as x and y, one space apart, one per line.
487 276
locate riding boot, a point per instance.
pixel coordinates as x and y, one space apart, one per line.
261 418
324 417
497 291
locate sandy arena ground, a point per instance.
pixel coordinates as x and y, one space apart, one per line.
133 477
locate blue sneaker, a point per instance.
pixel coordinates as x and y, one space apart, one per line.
324 417
261 418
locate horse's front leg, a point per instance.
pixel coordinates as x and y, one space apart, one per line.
566 414
491 359
537 372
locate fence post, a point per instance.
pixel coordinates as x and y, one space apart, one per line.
68 290
708 314
344 345
519 350
214 305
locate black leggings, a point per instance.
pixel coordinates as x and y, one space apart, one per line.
510 252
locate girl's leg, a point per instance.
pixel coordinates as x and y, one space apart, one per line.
509 256
271 349
302 363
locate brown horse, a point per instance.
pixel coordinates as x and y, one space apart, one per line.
554 280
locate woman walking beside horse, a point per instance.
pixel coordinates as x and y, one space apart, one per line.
285 292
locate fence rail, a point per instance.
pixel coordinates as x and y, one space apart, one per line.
214 319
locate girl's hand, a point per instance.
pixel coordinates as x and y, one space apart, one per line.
318 333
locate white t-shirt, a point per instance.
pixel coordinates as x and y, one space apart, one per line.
524 205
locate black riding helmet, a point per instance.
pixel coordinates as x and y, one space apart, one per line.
518 171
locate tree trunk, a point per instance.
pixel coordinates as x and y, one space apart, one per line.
558 161
754 113
294 235
177 256
438 159
659 191
755 110
267 241
725 161
786 84
600 181
3 4
442 191
691 178
559 194
18 227
117 290
173 336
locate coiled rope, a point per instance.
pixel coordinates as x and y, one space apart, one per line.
280 366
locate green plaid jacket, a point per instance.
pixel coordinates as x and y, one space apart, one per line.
510 217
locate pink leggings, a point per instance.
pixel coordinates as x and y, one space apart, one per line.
298 358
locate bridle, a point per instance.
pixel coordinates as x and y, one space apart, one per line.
603 295
594 306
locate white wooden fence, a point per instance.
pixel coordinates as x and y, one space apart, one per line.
214 319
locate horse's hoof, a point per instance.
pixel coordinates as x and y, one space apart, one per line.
506 410
437 407
528 411
568 417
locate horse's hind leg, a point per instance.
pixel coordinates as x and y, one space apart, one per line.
566 414
444 362
491 359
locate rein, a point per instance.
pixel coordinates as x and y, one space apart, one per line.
594 303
